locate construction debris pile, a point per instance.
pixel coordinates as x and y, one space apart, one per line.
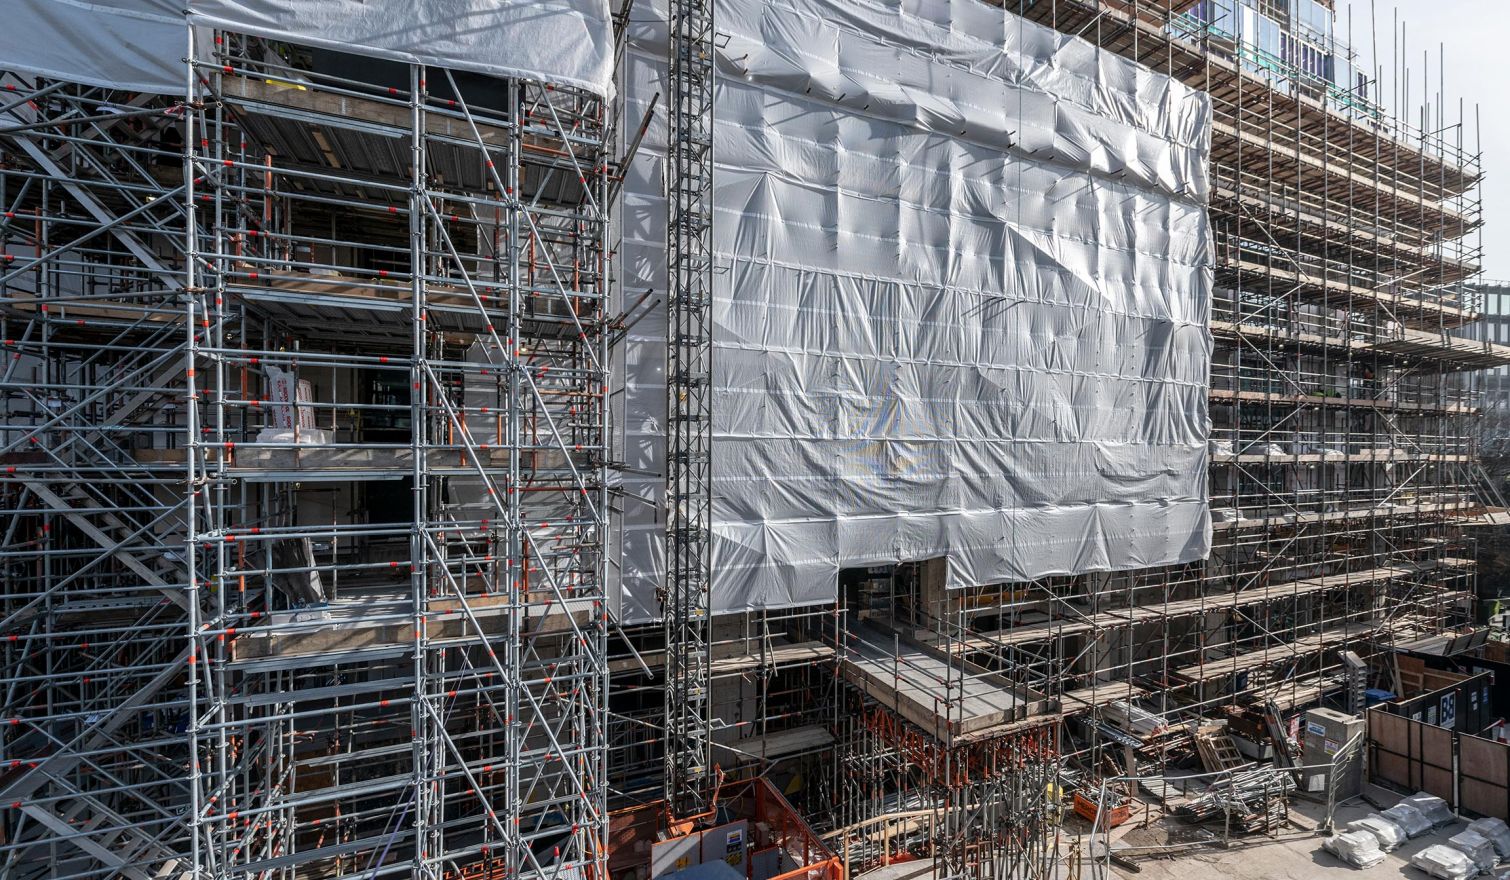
1251 800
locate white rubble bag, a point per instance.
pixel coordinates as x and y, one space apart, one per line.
1496 831
1408 818
1476 847
1433 808
1389 835
1444 862
1358 848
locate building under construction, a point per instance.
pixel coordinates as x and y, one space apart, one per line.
571 441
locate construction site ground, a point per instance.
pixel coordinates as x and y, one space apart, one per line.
1292 853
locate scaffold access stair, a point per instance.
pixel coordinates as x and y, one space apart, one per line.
140 196
115 547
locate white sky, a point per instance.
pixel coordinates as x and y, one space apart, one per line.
1476 37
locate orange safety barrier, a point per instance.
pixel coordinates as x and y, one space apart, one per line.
1113 816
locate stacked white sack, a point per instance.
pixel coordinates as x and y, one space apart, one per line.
1476 847
1408 818
1444 862
1358 848
1433 808
1497 832
1389 835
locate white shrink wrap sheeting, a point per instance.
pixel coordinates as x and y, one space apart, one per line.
1476 847
1358 848
961 302
1496 831
1410 819
560 41
1444 862
140 44
1432 807
1389 835
125 44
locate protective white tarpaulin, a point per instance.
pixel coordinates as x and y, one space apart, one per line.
137 45
140 44
961 303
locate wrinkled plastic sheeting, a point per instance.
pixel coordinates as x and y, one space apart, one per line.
1390 836
1496 831
139 44
1358 848
1432 807
961 303
569 42
1444 862
1408 818
1476 847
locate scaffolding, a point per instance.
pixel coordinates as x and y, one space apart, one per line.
1342 465
1494 423
687 603
304 449
1344 480
1343 470
939 756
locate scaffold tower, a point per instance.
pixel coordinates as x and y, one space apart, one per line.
304 454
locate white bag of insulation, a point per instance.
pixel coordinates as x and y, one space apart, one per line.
1389 835
1476 847
1408 818
1358 848
1432 807
1444 862
1497 832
